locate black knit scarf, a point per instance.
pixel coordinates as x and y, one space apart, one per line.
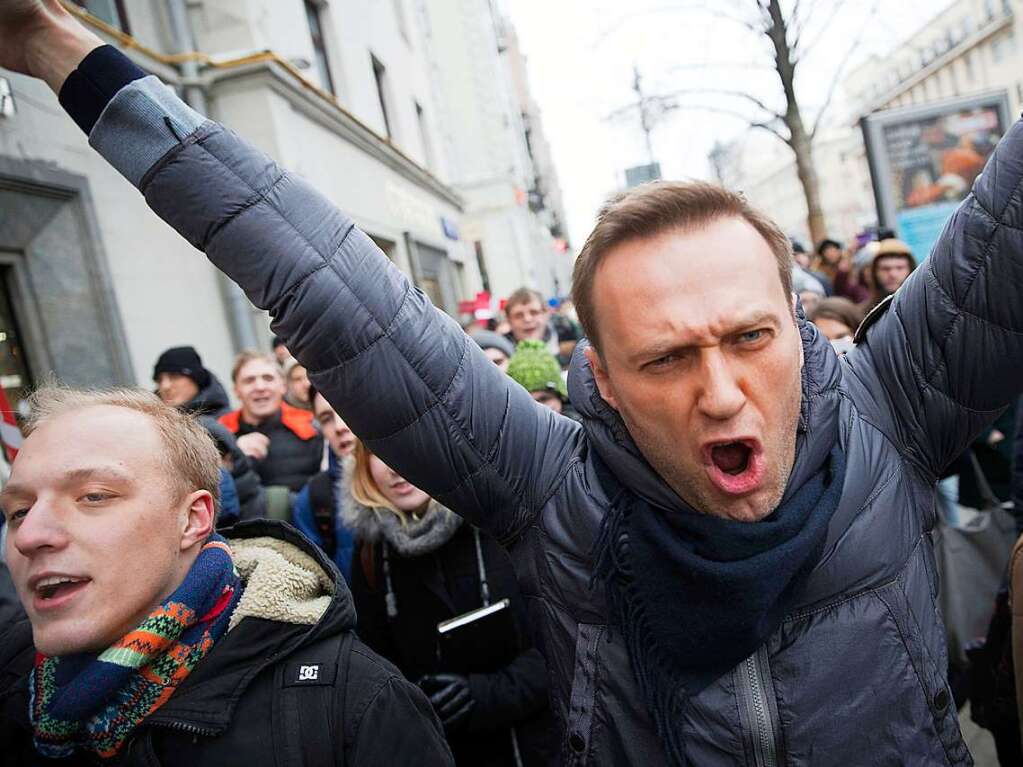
694 595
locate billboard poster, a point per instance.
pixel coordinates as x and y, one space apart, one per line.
924 160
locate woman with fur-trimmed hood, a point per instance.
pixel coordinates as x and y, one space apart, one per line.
418 564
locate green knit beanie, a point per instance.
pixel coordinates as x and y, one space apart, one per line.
536 369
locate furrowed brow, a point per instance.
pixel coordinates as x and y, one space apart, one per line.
760 318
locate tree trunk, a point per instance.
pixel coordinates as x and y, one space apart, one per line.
802 148
800 141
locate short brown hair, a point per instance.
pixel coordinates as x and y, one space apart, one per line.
840 310
247 356
523 296
191 455
654 208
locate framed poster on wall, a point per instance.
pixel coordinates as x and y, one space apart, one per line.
924 159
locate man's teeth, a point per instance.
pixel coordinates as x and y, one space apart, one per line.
56 580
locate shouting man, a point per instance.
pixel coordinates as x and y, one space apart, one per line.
729 559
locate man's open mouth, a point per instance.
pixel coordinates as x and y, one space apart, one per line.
732 458
735 467
56 589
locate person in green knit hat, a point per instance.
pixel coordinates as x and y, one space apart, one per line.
538 372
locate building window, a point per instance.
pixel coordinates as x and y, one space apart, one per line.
15 377
481 264
383 93
1002 47
424 137
387 246
312 14
110 11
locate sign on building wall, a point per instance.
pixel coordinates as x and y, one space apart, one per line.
923 161
641 174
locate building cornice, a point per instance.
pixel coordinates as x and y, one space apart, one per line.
284 79
269 74
957 51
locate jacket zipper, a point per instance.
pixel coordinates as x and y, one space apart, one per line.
755 697
185 727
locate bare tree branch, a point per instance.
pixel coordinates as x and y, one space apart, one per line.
799 21
756 66
699 8
738 115
838 73
794 23
798 49
775 114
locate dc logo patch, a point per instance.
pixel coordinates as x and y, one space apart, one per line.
307 674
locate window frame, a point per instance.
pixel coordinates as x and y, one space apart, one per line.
321 56
380 79
122 14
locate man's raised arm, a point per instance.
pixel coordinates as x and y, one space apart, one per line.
406 378
947 356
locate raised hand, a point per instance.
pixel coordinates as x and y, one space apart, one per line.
255 445
41 39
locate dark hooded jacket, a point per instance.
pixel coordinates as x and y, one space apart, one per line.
208 405
251 496
231 709
10 607
855 675
212 400
432 577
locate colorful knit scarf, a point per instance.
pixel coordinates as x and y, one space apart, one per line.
94 702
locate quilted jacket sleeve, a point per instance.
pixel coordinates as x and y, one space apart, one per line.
403 375
947 356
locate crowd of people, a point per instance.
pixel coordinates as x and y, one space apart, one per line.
682 518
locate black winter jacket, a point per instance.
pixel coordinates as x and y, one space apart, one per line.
856 674
296 450
208 405
251 495
1017 469
10 608
211 400
434 587
232 709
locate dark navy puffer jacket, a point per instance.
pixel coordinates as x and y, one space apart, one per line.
856 674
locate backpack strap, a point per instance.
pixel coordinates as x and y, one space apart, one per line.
321 499
310 685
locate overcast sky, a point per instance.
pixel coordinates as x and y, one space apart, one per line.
581 54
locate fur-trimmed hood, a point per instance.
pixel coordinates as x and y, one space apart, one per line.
411 538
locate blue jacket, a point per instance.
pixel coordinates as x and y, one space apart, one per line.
856 675
303 516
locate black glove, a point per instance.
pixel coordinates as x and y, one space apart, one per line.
450 697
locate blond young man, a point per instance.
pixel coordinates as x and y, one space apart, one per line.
150 638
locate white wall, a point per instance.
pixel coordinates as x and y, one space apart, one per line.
167 292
